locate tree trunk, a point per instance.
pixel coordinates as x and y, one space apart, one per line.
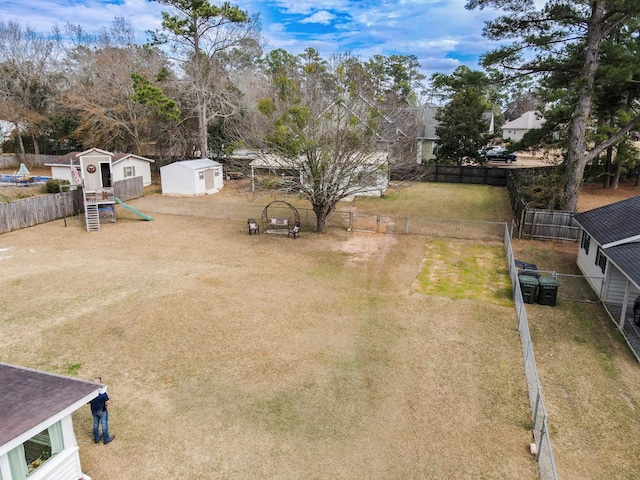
202 126
607 168
322 212
36 147
576 155
615 180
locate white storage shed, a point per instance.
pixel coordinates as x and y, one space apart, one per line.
191 177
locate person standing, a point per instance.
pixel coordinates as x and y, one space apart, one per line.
101 415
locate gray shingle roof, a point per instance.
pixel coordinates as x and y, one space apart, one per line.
627 258
612 223
29 397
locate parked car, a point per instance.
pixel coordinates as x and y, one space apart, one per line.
501 154
636 311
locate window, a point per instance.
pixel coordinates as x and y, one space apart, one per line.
585 241
201 175
129 171
26 458
601 260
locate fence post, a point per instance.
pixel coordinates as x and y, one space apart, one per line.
406 225
377 223
543 432
350 221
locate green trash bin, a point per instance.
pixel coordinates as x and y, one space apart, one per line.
528 287
547 291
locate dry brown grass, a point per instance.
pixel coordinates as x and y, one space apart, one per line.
240 357
229 356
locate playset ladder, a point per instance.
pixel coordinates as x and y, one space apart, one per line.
92 217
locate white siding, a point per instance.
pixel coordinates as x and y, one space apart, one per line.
62 466
615 286
62 173
217 178
178 180
142 169
587 265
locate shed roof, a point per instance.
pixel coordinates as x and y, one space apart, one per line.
198 164
617 222
29 398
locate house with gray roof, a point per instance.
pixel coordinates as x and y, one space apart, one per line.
36 428
609 253
515 129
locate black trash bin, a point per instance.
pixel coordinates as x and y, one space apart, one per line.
528 287
547 291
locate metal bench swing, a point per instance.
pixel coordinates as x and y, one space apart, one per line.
281 217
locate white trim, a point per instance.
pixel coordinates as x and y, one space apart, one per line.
622 242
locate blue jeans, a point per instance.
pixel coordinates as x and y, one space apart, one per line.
101 418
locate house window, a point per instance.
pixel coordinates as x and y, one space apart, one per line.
585 241
201 175
601 260
28 457
216 172
129 171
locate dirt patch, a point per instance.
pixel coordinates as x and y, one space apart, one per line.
593 195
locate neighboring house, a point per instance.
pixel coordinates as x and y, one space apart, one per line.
515 129
377 164
609 253
427 137
126 165
36 428
99 168
191 177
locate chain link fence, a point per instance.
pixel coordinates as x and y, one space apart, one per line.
546 462
405 225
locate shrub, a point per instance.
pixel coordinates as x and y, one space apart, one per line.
55 185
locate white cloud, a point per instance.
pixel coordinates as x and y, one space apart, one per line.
322 17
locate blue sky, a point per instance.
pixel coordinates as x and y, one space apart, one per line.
440 33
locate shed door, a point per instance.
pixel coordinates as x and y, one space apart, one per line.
208 179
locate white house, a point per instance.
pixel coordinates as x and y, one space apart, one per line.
515 129
609 253
126 165
374 168
36 428
191 177
99 168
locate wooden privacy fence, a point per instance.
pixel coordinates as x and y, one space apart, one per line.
536 224
477 174
46 208
29 159
35 210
